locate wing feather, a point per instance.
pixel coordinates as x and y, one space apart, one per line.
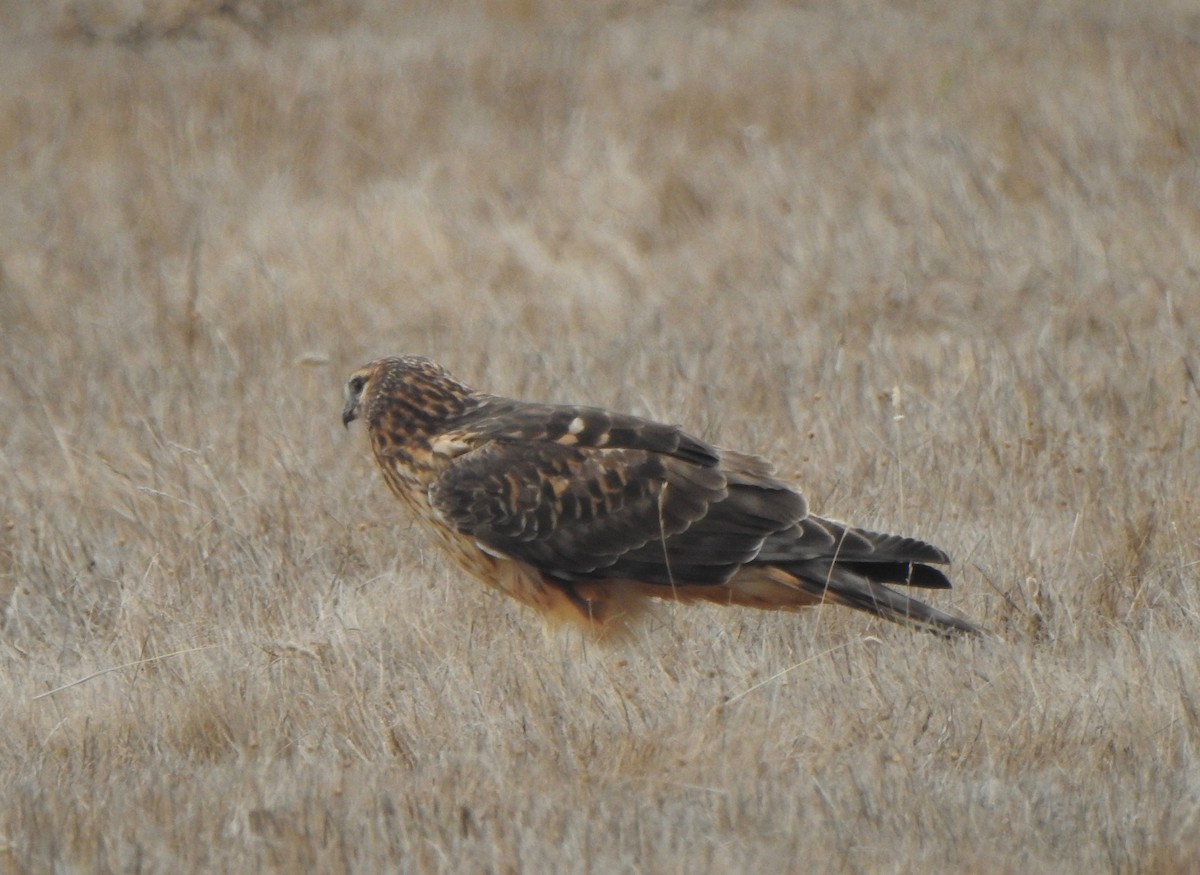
584 494
506 419
586 513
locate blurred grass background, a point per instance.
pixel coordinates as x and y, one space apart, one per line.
938 260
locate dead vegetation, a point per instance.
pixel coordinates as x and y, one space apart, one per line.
939 261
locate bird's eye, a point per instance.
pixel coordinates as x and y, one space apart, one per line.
356 385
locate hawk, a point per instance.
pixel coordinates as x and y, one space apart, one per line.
582 513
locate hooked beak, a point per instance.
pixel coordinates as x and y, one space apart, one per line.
349 412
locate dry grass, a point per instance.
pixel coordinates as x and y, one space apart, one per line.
940 260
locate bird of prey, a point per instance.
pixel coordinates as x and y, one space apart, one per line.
582 513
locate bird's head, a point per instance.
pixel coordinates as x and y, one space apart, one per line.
411 387
356 387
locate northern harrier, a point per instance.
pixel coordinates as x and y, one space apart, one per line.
582 513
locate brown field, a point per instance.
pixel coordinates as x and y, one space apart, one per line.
940 261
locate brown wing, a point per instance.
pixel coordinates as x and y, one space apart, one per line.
583 494
509 420
577 512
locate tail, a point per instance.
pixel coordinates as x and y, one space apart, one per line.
856 588
809 563
828 561
805 584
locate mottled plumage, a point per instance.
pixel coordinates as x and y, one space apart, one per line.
582 513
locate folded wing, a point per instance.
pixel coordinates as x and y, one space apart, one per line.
584 495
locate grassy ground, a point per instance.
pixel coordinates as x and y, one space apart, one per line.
940 261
